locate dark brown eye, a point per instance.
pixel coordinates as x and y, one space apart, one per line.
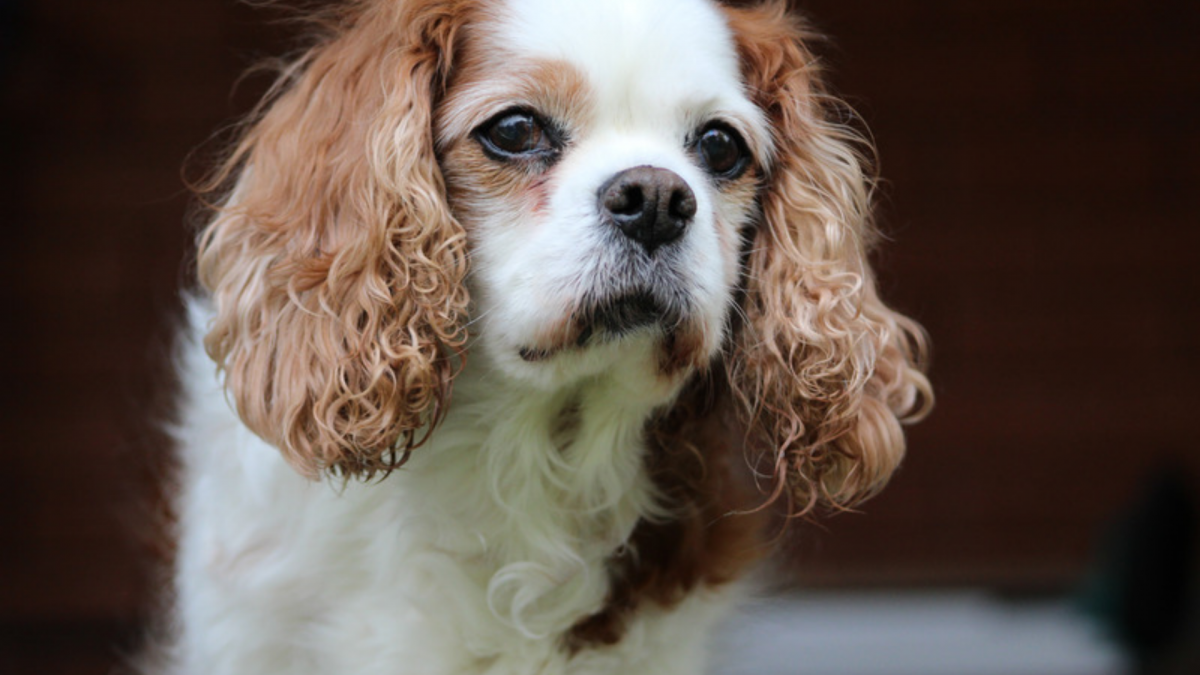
515 134
722 151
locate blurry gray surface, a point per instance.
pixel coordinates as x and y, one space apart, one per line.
959 633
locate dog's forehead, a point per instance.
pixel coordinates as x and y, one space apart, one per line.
641 58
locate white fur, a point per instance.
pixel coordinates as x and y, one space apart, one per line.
478 554
473 558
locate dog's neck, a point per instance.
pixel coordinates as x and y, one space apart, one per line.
534 488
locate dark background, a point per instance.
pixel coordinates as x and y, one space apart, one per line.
1041 159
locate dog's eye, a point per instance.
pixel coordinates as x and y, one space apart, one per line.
722 151
514 134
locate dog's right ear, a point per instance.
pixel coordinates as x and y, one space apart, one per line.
334 264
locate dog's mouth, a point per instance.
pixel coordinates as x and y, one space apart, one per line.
608 320
618 317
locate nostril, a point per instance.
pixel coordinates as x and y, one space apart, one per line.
626 200
683 204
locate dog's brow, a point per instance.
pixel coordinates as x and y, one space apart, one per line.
486 87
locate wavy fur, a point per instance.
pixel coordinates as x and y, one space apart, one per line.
335 266
824 371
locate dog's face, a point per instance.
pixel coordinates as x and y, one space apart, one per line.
604 160
564 188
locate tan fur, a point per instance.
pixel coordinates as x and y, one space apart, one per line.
336 268
825 372
489 78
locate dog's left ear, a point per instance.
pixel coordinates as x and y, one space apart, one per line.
335 266
824 370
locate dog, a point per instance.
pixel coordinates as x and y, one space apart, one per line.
520 322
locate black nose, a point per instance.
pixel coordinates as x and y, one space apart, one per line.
651 206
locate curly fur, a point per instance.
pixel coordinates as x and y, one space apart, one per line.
824 370
336 267
588 501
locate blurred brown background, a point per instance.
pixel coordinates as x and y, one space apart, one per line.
1041 158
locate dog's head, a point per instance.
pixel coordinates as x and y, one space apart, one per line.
604 160
654 187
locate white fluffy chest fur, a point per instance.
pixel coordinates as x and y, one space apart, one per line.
476 557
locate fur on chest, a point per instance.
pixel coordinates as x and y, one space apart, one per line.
570 512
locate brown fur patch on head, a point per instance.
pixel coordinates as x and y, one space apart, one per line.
489 79
335 267
487 82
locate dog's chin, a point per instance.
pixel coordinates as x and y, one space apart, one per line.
606 321
630 330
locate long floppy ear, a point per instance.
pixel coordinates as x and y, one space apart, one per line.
824 370
335 268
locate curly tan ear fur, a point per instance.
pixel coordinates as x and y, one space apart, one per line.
335 267
822 367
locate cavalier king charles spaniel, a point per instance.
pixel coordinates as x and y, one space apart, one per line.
522 322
